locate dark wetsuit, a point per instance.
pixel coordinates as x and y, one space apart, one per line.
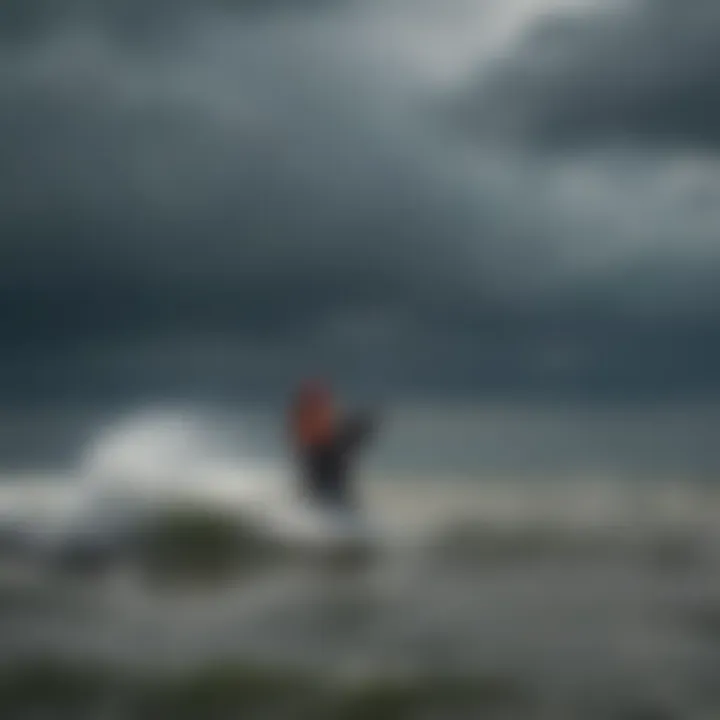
326 467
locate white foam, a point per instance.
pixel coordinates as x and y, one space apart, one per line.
162 457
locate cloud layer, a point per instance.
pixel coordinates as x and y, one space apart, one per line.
446 198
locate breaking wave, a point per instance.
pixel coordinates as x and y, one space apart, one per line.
161 458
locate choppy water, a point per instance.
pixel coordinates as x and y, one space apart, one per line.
604 597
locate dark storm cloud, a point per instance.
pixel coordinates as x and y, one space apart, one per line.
637 74
255 200
153 205
23 21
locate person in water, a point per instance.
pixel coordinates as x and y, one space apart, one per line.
326 445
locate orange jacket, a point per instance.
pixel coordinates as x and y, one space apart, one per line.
312 420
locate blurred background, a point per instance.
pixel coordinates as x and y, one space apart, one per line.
493 221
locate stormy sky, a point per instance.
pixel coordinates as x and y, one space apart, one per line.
428 199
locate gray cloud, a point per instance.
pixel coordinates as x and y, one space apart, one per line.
132 20
251 200
641 74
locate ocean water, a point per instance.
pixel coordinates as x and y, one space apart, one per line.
598 597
